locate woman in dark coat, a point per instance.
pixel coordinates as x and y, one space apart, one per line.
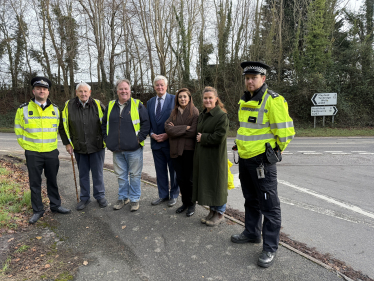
181 129
210 159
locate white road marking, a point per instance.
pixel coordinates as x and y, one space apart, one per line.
333 151
287 153
357 151
342 153
312 153
305 151
331 200
366 153
319 209
323 211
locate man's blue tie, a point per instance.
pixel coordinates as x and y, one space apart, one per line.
158 109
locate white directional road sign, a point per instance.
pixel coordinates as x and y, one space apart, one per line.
323 110
325 98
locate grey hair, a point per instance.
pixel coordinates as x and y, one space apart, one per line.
160 77
81 83
121 81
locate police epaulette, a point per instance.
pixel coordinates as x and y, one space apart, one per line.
24 104
273 94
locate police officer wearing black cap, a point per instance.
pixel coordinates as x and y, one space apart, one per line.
265 130
36 126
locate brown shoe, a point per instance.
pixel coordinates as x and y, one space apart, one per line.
208 217
134 206
120 203
215 220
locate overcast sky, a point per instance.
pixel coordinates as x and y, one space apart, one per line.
354 5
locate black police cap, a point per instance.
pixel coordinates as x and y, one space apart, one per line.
254 67
40 81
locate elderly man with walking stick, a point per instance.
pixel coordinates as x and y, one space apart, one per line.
80 131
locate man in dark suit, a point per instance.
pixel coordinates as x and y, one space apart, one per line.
159 109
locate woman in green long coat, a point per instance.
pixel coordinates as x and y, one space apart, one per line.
210 158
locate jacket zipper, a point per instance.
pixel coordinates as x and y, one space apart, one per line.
119 127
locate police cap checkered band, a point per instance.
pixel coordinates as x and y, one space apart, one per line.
255 68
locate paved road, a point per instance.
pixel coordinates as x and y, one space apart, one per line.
326 191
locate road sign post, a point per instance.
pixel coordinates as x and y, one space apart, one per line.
324 108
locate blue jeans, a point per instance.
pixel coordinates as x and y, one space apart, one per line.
95 163
128 163
219 209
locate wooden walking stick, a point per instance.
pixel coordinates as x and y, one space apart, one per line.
75 179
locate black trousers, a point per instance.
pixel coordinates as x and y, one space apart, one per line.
183 166
261 198
37 162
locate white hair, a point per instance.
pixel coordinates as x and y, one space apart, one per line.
81 83
160 77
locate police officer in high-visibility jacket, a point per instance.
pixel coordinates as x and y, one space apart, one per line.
125 127
264 122
36 125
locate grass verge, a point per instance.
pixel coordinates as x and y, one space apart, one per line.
6 130
37 252
15 198
334 132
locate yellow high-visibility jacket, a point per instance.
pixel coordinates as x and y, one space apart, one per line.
263 119
65 119
36 129
134 116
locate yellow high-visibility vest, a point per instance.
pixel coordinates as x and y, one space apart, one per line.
65 119
268 121
35 128
134 113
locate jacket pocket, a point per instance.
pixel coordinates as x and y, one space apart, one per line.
268 188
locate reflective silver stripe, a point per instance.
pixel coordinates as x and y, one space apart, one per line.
260 117
136 121
57 112
41 130
39 140
285 139
136 133
19 136
63 119
250 125
26 114
50 130
37 130
255 137
283 125
101 120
